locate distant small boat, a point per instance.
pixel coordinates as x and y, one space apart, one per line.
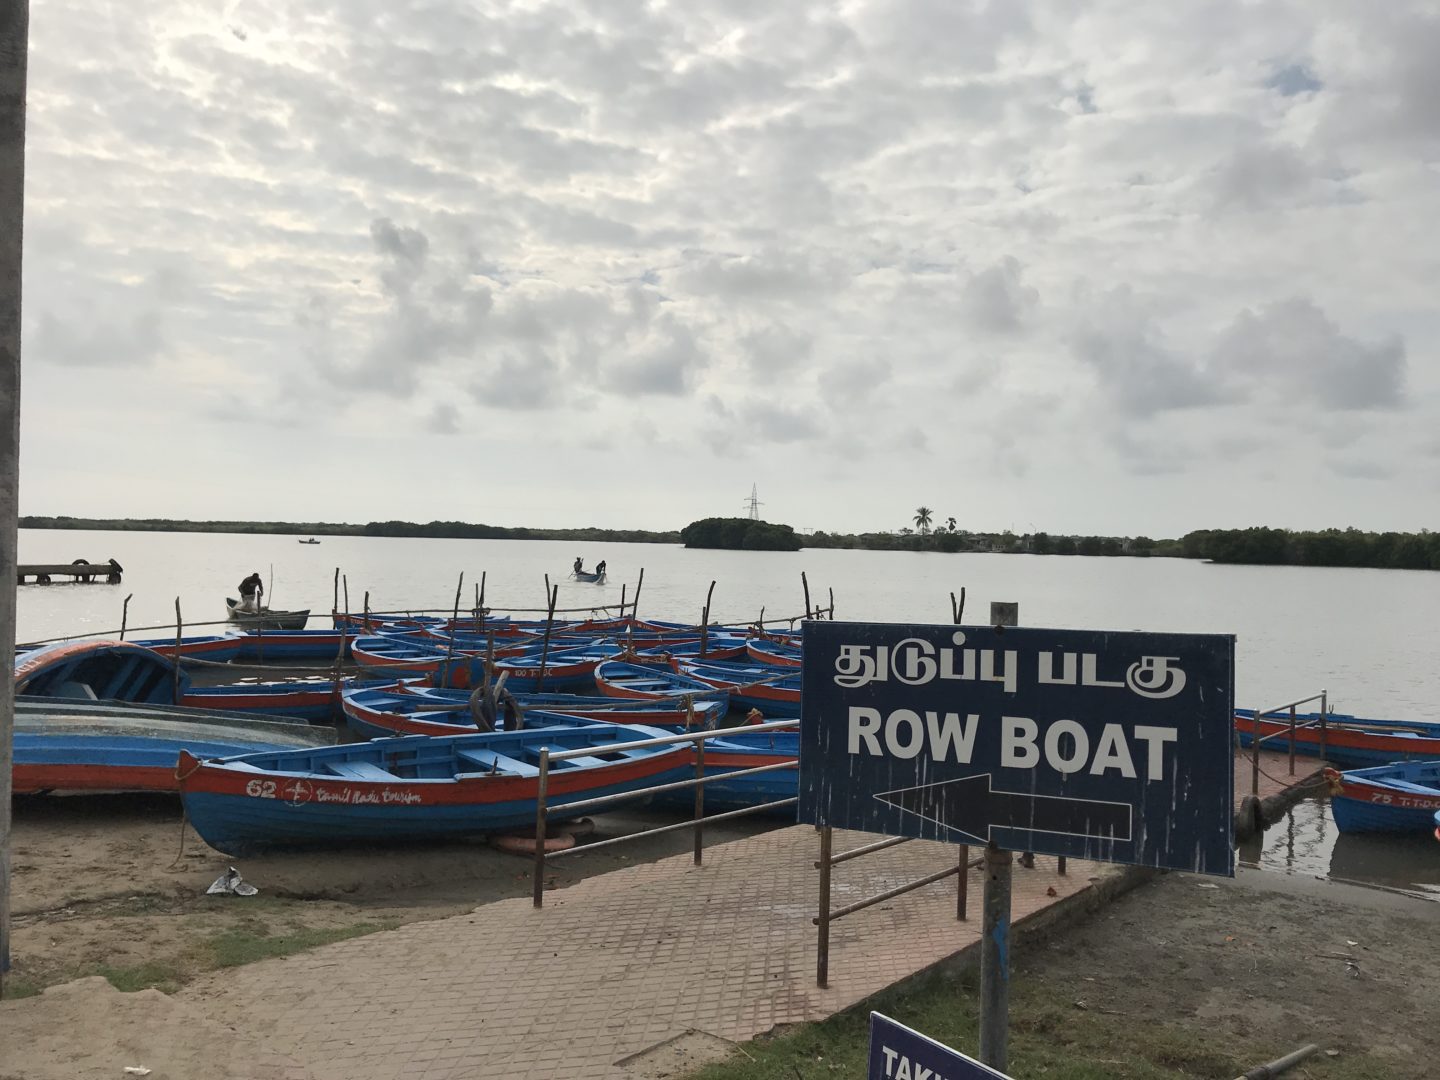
312 540
1403 797
267 618
585 575
414 787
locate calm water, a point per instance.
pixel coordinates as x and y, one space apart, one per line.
1368 636
1307 842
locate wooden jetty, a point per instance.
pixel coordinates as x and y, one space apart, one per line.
81 571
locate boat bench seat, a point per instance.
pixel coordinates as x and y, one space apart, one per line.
359 770
485 761
581 763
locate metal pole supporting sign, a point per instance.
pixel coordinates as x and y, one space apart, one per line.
995 934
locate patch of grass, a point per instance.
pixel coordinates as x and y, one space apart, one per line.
19 986
163 977
1050 1039
231 948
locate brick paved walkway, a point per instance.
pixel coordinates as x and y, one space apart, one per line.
614 965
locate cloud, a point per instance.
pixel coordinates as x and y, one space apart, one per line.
1360 469
849 388
1293 79
668 367
1297 354
444 419
1134 365
996 300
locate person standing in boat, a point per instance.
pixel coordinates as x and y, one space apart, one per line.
579 566
600 568
251 589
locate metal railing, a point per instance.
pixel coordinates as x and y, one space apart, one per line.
1290 706
828 860
699 738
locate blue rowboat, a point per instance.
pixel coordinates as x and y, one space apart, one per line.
774 691
1350 741
567 669
97 670
617 679
725 757
86 746
282 646
721 647
125 671
414 787
766 651
312 700
1400 797
377 712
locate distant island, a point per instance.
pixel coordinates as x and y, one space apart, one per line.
739 534
1258 546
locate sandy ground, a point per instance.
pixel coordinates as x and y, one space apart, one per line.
102 886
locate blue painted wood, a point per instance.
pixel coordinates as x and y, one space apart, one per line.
1400 797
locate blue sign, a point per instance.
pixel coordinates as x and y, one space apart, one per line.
898 1053
1107 746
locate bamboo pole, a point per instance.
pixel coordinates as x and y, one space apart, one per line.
806 584
545 645
705 623
14 51
635 604
481 600
832 605
454 618
335 596
124 616
345 580
179 631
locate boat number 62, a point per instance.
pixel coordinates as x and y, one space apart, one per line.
260 789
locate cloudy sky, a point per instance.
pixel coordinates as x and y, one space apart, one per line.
1074 266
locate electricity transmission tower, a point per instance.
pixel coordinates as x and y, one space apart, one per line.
753 503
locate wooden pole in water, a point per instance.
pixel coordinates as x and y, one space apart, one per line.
481 598
335 597
345 581
705 623
179 631
14 52
454 618
622 600
545 645
832 605
635 604
124 616
806 585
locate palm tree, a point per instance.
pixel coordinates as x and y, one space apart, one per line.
950 525
922 520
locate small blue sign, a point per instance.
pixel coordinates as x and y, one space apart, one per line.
898 1053
1107 746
